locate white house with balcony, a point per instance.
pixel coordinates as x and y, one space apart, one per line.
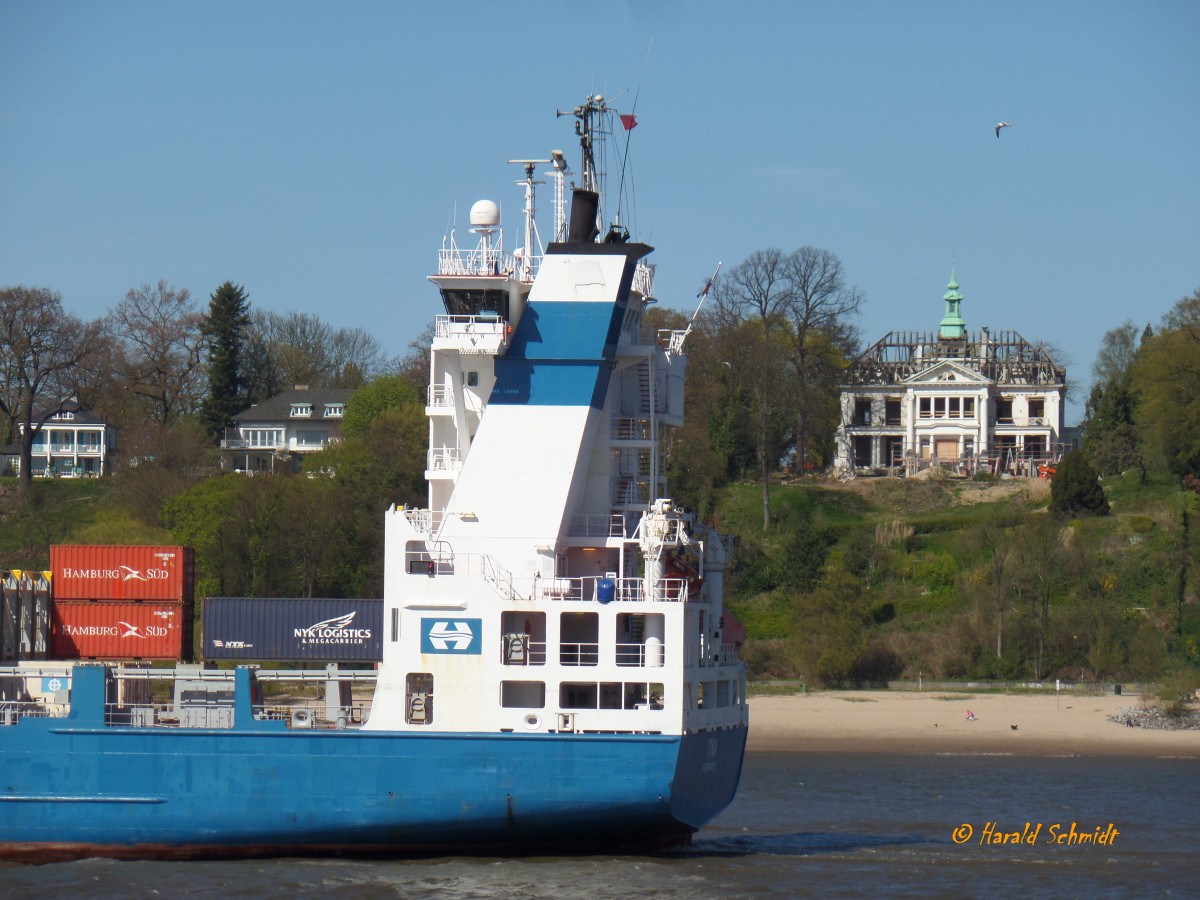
71 443
964 402
273 435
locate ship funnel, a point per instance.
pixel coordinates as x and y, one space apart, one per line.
584 206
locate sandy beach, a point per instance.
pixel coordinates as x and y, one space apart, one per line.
912 722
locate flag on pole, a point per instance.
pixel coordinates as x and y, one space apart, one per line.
708 284
629 122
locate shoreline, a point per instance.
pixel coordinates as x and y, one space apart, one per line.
935 722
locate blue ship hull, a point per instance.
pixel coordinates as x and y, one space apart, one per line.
75 787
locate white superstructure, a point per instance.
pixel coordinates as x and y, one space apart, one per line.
548 586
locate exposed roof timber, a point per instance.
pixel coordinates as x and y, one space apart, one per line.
1004 358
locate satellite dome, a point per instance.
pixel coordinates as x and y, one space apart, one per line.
485 213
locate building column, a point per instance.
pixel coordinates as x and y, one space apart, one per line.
981 403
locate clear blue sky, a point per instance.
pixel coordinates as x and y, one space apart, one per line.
316 152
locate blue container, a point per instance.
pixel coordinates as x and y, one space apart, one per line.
606 590
301 629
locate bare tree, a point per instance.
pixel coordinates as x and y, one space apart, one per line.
157 330
788 317
819 308
758 287
299 348
40 350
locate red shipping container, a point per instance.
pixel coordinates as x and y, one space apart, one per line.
80 629
106 572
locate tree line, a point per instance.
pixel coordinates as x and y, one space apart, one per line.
156 361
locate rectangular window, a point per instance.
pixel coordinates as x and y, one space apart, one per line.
640 639
926 407
418 692
1037 408
395 624
862 412
301 410
579 644
523 638
577 695
417 560
968 407
311 438
1004 411
955 407
643 696
523 694
472 379
334 410
892 412
610 695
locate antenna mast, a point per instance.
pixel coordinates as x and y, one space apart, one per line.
528 253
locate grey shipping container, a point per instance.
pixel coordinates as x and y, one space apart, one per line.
283 628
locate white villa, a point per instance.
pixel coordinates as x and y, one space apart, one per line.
71 443
966 402
273 435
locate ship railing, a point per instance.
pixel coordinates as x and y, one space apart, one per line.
497 576
443 459
671 340
437 561
640 655
479 261
631 428
518 650
643 279
471 334
220 714
440 396
709 654
193 714
613 525
424 521
671 590
453 326
316 716
12 711
578 654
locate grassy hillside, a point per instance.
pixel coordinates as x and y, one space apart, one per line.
886 578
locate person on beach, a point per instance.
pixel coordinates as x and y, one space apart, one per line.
970 716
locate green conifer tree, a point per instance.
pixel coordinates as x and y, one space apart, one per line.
1075 490
225 329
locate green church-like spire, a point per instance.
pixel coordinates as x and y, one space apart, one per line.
953 327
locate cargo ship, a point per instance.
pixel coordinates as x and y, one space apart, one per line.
555 674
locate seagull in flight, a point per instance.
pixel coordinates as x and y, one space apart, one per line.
1000 125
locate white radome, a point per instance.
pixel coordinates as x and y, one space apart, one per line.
485 213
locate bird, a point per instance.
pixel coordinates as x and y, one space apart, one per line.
1000 125
1013 727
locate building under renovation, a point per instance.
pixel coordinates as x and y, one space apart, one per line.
965 402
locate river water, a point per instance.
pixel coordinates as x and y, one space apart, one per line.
829 825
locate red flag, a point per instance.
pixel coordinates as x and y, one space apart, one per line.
630 122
